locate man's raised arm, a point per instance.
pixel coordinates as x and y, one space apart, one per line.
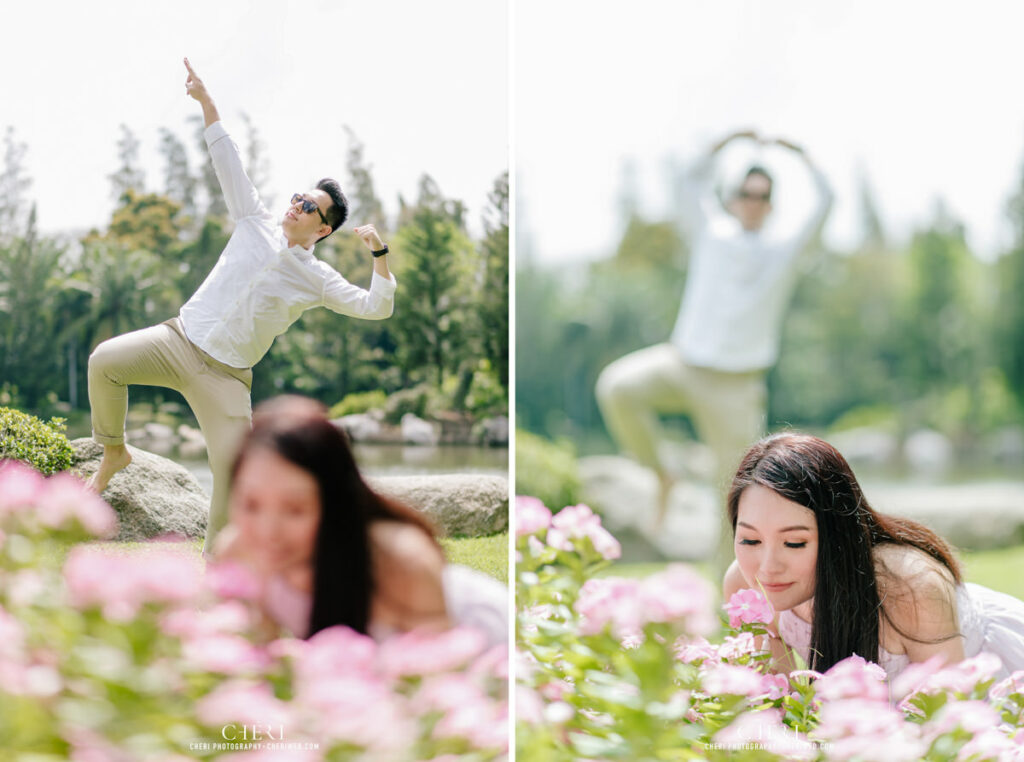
240 194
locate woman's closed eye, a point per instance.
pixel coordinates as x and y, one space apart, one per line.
747 541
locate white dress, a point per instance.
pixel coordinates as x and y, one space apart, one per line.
472 599
990 621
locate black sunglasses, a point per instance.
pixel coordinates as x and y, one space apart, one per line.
308 206
748 196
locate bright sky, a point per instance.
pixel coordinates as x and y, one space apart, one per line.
423 85
921 97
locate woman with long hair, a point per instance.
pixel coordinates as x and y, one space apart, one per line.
332 551
844 579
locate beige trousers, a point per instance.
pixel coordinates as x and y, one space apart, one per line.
163 356
727 410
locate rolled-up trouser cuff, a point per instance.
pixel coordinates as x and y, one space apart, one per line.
100 439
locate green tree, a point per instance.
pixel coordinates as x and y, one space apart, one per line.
13 185
435 270
179 183
129 175
1009 317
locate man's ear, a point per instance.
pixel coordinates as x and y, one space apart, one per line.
324 230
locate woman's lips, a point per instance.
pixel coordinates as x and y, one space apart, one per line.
777 588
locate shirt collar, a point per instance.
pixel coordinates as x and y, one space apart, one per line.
297 250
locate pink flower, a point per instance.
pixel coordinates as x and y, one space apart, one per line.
576 522
868 729
610 602
244 701
678 593
529 706
426 653
972 716
696 650
20 486
732 680
224 654
531 515
964 676
775 686
748 607
914 676
120 584
1013 684
735 646
333 651
228 579
853 677
65 498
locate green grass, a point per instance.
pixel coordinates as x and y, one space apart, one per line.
486 554
1001 570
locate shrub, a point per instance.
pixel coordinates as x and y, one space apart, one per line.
414 400
546 469
41 445
359 402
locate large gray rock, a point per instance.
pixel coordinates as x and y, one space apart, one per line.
417 431
458 504
153 496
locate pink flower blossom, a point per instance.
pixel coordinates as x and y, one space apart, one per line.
775 686
120 584
853 677
914 676
736 646
333 651
243 701
229 579
576 522
972 716
224 654
748 607
610 602
678 593
868 729
529 706
1012 684
65 498
695 650
964 676
426 653
20 486
531 515
732 680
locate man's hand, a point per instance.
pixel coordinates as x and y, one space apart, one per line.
748 134
787 144
372 240
195 88
370 237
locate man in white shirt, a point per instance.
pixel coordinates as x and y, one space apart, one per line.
740 281
264 279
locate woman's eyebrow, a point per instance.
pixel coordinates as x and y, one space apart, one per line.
784 529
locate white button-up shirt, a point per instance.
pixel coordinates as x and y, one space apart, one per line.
260 285
739 282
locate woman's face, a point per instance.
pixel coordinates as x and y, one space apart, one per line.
776 546
275 506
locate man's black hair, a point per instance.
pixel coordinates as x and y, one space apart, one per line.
338 212
757 169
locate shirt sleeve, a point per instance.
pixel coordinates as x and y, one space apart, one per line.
812 228
342 297
697 202
240 194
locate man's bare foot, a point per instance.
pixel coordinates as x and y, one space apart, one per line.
115 457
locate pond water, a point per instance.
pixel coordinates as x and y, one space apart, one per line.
397 460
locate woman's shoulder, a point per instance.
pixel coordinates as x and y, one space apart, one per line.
901 567
406 546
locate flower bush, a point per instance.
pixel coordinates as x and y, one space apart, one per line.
610 668
115 655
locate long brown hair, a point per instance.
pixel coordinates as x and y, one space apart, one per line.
297 429
812 473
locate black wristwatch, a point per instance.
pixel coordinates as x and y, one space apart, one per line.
380 253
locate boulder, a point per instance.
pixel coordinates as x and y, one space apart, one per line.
458 504
493 432
360 427
153 496
417 431
928 451
625 493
